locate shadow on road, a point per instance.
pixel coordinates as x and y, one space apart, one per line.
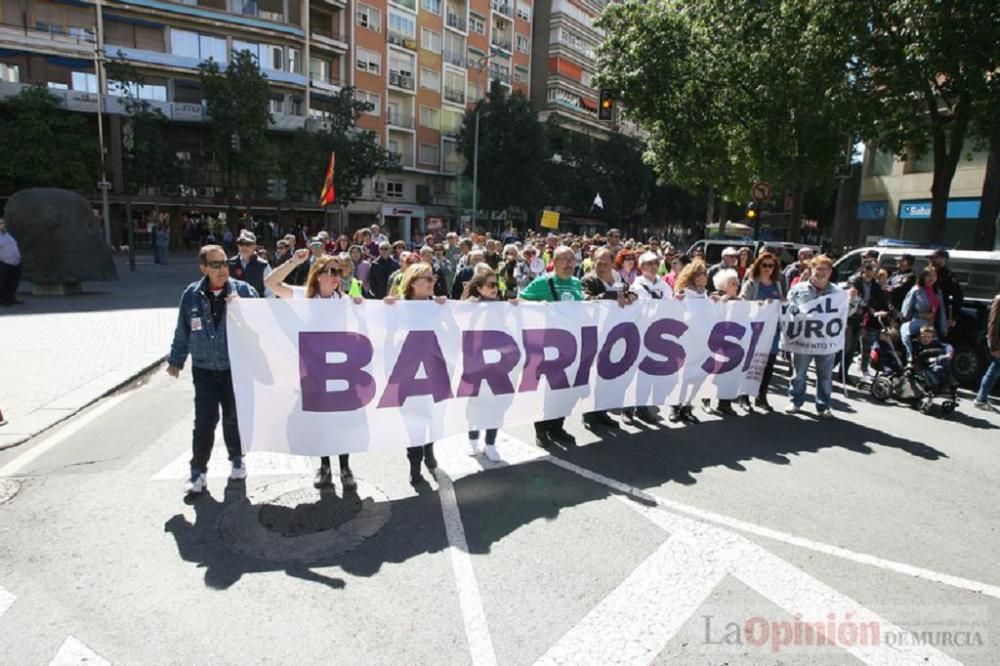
497 504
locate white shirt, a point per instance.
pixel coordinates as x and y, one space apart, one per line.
647 290
691 293
10 253
300 292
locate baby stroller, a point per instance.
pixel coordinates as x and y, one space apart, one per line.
916 384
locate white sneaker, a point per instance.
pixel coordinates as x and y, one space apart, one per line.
984 406
492 454
239 471
474 447
792 409
196 484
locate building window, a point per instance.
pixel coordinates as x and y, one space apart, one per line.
55 85
394 189
272 57
184 43
156 92
520 74
10 73
374 108
254 49
404 24
84 82
477 24
277 104
521 42
429 154
369 61
524 11
402 64
430 40
430 79
297 106
410 5
450 157
369 17
212 47
432 6
429 117
294 60
454 86
451 122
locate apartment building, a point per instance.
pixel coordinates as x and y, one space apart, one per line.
419 63
564 58
895 198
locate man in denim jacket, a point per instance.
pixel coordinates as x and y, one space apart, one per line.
201 332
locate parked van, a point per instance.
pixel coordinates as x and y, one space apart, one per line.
979 275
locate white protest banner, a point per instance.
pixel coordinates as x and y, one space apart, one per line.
320 377
815 327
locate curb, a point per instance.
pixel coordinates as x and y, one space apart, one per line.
130 378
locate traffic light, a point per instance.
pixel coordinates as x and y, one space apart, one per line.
752 213
605 105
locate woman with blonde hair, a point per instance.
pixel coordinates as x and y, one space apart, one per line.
693 281
324 280
417 284
484 287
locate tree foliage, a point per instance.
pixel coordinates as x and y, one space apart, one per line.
359 155
512 151
732 92
43 145
238 110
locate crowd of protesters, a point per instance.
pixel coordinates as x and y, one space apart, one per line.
552 267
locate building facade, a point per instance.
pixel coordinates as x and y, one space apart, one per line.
895 198
419 63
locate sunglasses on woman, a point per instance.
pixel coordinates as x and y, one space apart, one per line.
330 271
491 285
767 265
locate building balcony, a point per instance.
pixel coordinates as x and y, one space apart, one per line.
78 41
399 39
503 76
503 8
329 40
454 95
271 21
455 58
455 21
502 44
398 119
325 82
401 80
402 159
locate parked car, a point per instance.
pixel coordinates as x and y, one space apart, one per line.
979 275
787 252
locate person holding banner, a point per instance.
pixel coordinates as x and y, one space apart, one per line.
325 280
763 283
692 283
417 284
803 293
484 287
561 285
201 332
648 286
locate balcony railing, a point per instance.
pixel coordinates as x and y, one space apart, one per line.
456 21
454 95
499 74
501 44
502 7
326 79
399 39
455 58
397 119
328 35
402 159
401 80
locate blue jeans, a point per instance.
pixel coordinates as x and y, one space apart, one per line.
824 378
989 379
491 436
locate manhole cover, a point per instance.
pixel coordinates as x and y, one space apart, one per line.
8 488
307 512
288 523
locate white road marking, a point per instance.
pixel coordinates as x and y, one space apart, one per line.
258 464
477 631
636 621
6 600
786 585
75 653
15 466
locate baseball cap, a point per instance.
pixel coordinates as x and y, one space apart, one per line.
315 242
730 252
648 257
247 237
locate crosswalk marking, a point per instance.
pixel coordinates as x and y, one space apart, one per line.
75 653
6 600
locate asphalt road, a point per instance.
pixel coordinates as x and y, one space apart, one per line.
736 541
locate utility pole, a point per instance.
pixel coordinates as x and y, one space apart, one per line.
99 72
475 145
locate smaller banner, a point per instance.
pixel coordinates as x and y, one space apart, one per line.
550 219
815 327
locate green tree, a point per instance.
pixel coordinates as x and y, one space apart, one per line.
238 101
927 66
149 158
43 145
359 155
733 92
512 152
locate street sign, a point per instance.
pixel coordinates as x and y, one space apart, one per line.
761 191
550 219
103 185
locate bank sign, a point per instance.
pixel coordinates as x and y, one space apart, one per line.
958 209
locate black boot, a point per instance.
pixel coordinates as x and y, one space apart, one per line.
429 458
675 414
324 478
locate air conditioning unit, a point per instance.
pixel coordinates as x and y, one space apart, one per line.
423 194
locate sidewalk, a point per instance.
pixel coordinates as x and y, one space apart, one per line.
61 353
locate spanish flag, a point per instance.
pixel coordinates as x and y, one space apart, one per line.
328 193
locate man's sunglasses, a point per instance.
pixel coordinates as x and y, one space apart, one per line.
216 265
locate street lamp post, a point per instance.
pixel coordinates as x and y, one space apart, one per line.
104 185
475 147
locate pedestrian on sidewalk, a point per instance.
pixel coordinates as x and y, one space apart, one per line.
201 332
10 267
982 400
